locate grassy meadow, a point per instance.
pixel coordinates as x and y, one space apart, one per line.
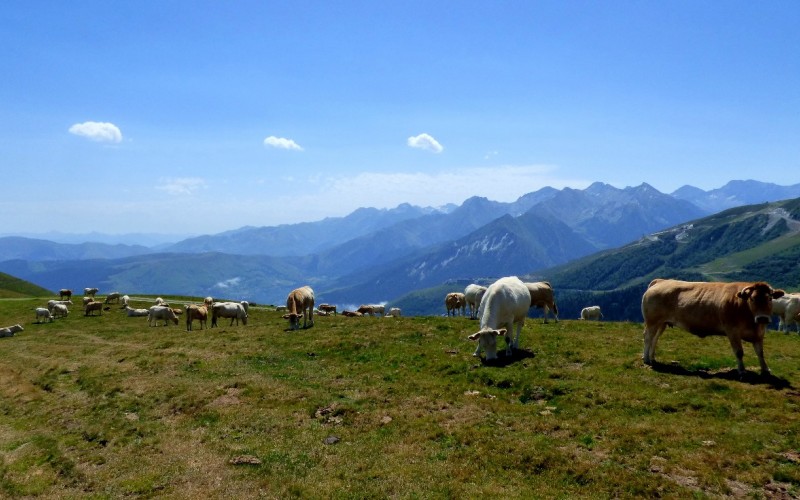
106 407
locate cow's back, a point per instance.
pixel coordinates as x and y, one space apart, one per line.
506 300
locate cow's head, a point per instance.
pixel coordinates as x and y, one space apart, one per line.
487 340
759 299
294 320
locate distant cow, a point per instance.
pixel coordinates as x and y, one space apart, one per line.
787 309
233 310
543 298
161 313
394 312
740 311
504 308
90 292
60 311
591 313
43 314
456 303
327 308
112 297
91 307
351 314
473 295
300 302
64 292
131 312
194 312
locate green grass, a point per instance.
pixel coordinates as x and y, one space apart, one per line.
108 407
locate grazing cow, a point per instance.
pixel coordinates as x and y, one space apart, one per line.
346 313
136 312
125 301
787 308
59 311
52 303
327 308
591 313
86 300
542 297
473 295
112 297
161 312
65 292
91 307
194 312
233 310
372 309
90 292
9 331
740 311
300 302
42 314
394 312
455 302
505 304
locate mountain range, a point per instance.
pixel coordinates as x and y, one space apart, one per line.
377 255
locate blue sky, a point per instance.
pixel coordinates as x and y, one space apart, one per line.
199 117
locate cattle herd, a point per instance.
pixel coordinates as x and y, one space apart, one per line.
739 311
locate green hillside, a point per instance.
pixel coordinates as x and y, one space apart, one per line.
756 242
11 287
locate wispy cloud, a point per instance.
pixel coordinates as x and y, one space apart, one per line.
97 131
426 142
181 185
281 143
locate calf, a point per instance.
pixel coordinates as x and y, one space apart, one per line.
42 314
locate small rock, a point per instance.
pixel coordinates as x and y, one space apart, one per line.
245 460
331 440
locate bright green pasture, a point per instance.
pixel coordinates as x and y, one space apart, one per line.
386 407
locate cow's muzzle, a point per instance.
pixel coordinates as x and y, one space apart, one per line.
763 319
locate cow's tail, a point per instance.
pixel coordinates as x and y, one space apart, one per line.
555 308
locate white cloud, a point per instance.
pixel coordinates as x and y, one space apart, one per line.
281 143
426 142
97 131
181 185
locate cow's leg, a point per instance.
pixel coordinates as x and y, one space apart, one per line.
651 334
736 346
759 348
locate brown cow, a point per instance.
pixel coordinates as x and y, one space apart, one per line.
456 302
327 308
543 298
194 312
300 302
64 292
91 307
740 311
351 314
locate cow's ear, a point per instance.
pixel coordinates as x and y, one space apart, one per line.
500 332
745 293
776 294
475 336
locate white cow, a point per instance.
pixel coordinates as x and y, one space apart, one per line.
504 307
394 312
60 311
131 312
125 301
233 310
43 313
787 308
161 312
591 313
9 331
473 295
112 297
